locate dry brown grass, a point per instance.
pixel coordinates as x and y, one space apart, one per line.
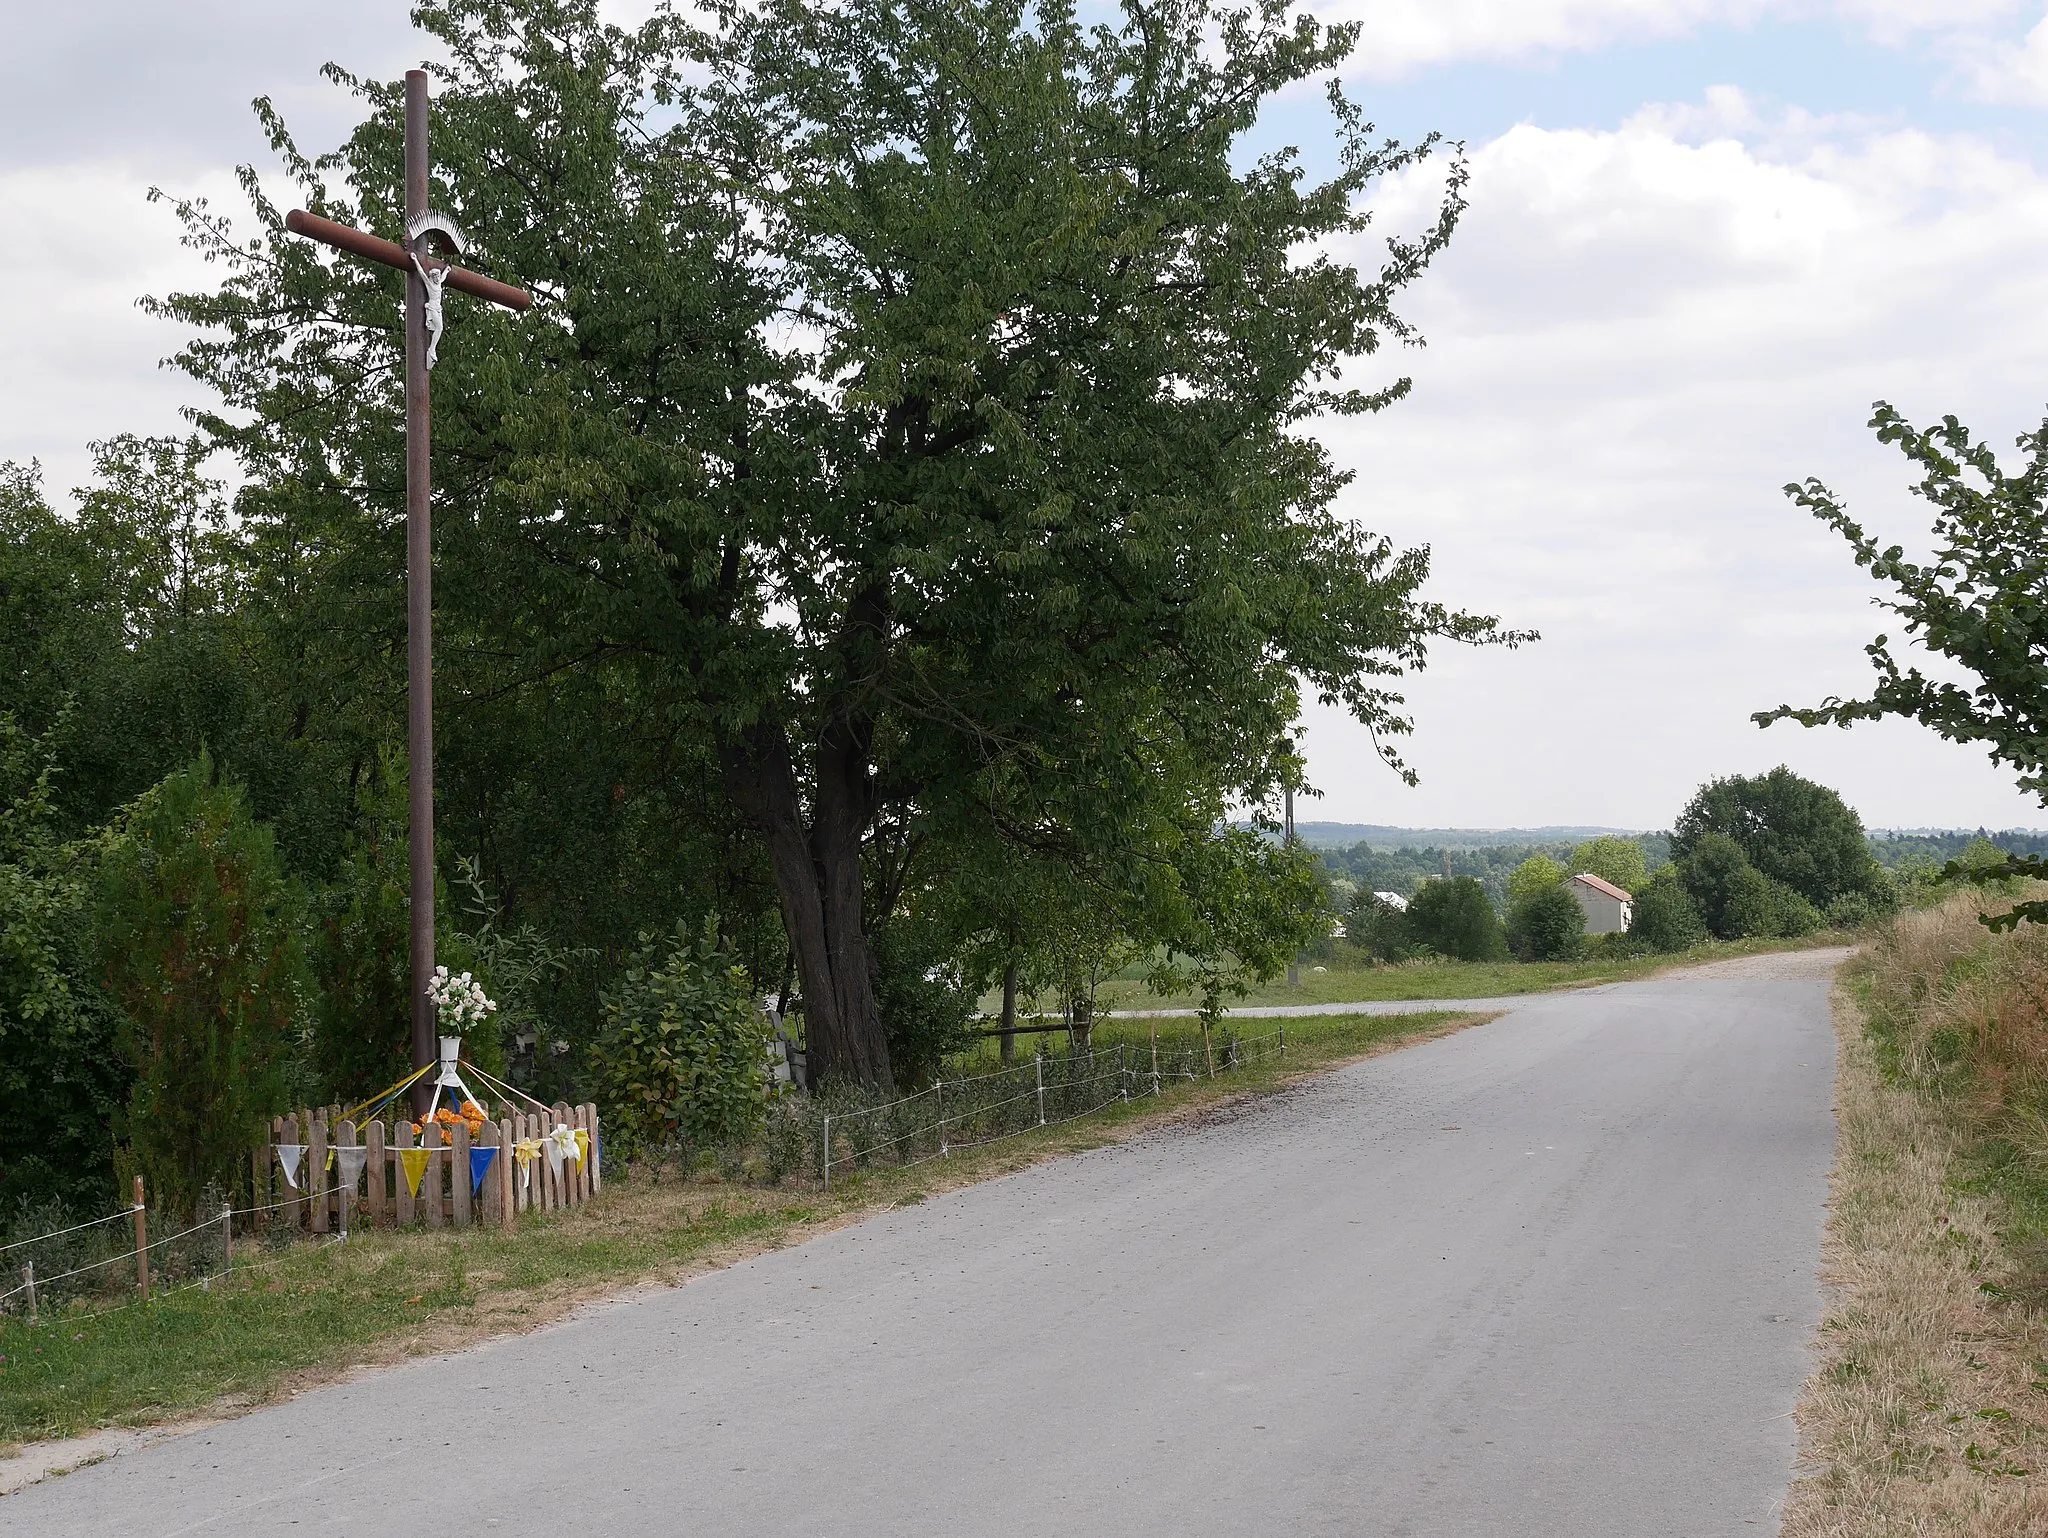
1926 1413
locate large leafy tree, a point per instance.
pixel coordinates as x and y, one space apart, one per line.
1794 831
913 425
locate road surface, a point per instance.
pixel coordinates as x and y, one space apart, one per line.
1550 1277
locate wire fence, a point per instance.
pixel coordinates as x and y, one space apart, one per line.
70 1268
953 1115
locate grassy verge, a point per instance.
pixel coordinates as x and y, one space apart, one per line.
1926 1413
1348 982
310 1314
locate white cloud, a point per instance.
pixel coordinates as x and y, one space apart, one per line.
1637 338
1403 35
76 354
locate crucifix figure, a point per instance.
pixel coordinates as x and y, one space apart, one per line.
425 279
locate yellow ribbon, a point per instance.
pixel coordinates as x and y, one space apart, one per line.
414 1162
582 1146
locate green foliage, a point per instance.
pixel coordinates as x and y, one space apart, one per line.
61 1078
1665 916
1547 924
361 953
960 561
1977 602
1616 860
1378 928
1737 901
1538 873
683 1060
1455 918
199 943
1796 832
927 1006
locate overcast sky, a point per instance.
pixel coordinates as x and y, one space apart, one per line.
1705 236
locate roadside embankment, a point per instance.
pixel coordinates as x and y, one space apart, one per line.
1927 1412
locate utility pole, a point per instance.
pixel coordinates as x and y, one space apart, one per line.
426 276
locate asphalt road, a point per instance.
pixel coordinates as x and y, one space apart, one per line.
1553 1275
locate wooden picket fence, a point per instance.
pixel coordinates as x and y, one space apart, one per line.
446 1198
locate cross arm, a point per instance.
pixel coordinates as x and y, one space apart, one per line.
391 254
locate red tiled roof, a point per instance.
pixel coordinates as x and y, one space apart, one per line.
1607 887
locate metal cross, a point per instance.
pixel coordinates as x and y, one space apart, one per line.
426 276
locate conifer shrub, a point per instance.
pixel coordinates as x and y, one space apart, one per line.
199 945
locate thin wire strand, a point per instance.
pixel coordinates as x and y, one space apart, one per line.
58 1233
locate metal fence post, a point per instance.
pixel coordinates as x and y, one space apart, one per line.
828 1150
227 1236
1123 1072
28 1277
940 1088
1283 1035
1039 1063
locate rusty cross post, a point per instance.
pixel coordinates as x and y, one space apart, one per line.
426 276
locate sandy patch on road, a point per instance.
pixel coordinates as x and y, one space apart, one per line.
1774 967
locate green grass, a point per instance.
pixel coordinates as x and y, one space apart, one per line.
311 1311
1349 982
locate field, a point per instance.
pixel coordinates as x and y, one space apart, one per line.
1344 980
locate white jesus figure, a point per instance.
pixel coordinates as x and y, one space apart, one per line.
432 279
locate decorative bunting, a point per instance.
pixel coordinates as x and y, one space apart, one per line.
582 1147
561 1146
479 1161
288 1157
553 1147
525 1151
352 1162
414 1162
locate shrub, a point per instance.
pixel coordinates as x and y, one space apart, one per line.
926 1006
1378 928
1454 917
1547 925
1666 918
62 1078
682 1062
199 945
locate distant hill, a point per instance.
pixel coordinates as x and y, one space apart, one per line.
1347 835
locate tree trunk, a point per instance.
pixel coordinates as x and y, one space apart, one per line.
818 878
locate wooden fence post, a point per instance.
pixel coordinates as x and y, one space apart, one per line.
596 1168
402 1188
458 1177
316 1173
141 1240
508 1175
373 1177
430 1189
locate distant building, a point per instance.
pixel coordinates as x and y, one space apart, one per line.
1393 900
1609 910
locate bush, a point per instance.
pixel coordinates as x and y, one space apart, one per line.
1665 916
1454 917
1378 928
1547 925
199 945
926 1006
62 1079
683 1061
